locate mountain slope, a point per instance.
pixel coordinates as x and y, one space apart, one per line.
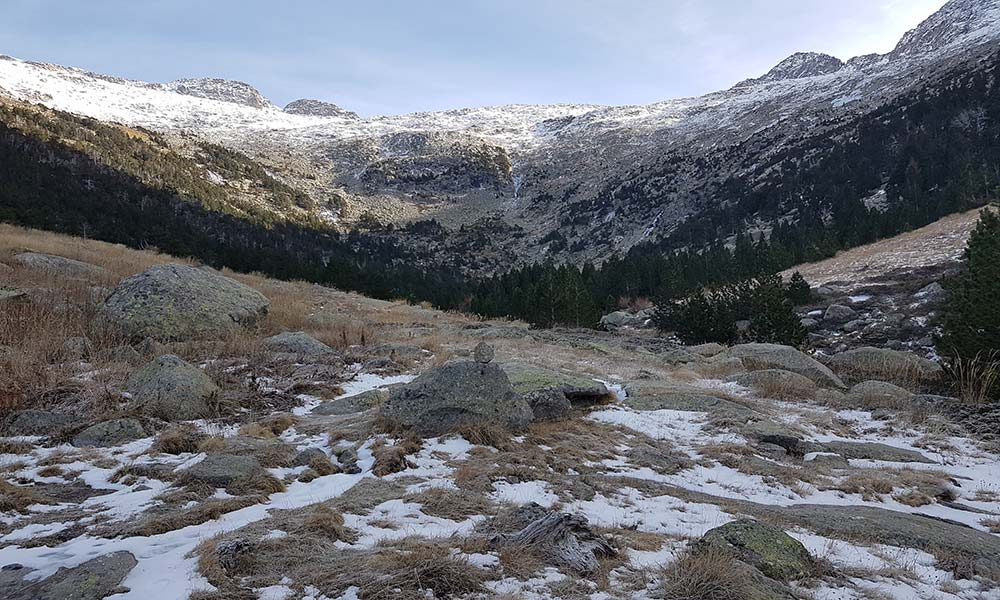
581 181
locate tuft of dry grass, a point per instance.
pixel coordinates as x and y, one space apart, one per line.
392 459
975 379
408 569
993 524
202 513
15 498
328 523
451 504
708 574
261 482
180 439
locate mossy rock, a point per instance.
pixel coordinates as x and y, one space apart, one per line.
768 549
530 380
665 395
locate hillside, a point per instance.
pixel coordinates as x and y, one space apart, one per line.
813 140
283 467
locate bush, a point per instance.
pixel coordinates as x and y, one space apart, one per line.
714 316
798 292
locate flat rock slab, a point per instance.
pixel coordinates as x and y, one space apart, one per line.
59 265
349 405
95 579
654 395
37 422
110 433
222 470
872 451
980 550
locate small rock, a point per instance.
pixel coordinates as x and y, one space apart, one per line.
483 353
234 555
838 313
352 404
299 343
123 354
149 347
77 348
809 323
826 459
549 405
171 389
305 457
110 433
932 293
855 325
348 459
221 470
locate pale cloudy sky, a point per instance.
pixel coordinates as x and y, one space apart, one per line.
394 56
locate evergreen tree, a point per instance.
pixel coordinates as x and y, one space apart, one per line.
798 291
971 322
772 316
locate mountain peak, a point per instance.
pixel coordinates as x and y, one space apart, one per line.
957 20
799 65
224 90
318 108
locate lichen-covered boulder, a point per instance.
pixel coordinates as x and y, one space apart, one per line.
877 393
299 343
352 404
110 433
579 390
180 302
454 395
758 357
59 265
171 389
768 549
884 365
670 395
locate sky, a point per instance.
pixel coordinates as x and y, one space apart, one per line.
398 56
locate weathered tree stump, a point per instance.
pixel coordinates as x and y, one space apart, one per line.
561 539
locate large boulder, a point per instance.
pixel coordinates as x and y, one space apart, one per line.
779 384
758 357
94 579
457 394
180 302
171 389
618 319
299 343
768 549
884 365
873 394
59 265
110 433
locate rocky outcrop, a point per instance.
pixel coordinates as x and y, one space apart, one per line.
669 395
180 302
37 422
758 357
870 394
352 404
579 390
455 395
884 365
171 389
318 108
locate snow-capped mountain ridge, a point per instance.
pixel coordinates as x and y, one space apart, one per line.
511 155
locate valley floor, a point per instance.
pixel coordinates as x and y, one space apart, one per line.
891 497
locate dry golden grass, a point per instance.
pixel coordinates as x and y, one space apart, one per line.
179 440
993 524
707 574
208 510
409 568
974 379
392 459
17 498
328 523
452 504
